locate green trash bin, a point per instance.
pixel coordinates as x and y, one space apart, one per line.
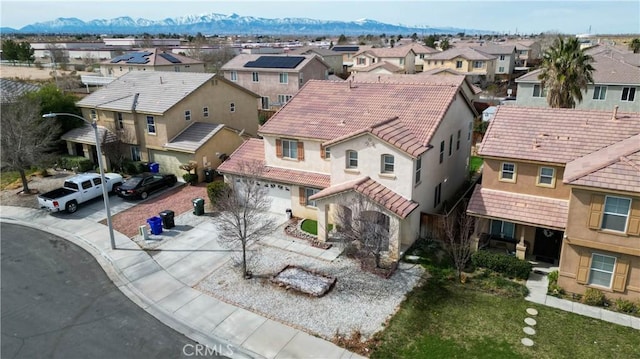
198 206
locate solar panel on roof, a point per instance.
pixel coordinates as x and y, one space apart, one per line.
170 58
139 57
346 48
276 62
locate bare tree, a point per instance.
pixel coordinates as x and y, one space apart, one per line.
214 60
457 231
115 146
59 57
26 137
244 211
361 223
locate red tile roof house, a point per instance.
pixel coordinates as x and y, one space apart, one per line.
563 186
404 146
402 59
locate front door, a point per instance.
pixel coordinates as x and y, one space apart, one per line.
547 245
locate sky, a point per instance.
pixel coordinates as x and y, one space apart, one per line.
508 16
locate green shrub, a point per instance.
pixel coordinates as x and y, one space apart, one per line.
553 277
134 167
507 265
626 306
190 178
555 290
77 163
594 297
215 190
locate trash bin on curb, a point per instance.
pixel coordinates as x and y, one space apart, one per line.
154 167
156 225
289 213
198 206
208 175
168 221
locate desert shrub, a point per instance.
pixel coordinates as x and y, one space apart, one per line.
594 297
215 190
626 306
507 265
190 178
77 163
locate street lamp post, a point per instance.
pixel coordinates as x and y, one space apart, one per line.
105 194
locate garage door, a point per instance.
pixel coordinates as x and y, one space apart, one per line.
280 197
170 162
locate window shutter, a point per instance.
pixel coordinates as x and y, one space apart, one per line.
620 276
583 269
322 151
301 196
634 218
300 151
597 207
278 148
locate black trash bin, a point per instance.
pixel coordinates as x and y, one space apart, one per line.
208 175
198 206
168 219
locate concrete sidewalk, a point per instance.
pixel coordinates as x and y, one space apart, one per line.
538 283
161 283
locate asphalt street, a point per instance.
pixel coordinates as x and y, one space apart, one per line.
57 302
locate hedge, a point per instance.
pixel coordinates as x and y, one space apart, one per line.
79 163
507 265
215 190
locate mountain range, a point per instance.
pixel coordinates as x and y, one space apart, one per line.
234 24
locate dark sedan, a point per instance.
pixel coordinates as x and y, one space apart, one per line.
141 185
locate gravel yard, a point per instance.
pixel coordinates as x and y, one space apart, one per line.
359 301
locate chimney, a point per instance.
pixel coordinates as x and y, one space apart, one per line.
615 113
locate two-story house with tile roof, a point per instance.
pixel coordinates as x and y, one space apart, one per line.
505 58
561 186
276 78
615 84
331 58
421 52
402 58
348 52
146 60
171 118
476 64
403 146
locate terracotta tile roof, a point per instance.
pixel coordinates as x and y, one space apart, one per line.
252 151
464 52
386 52
391 131
382 64
521 208
374 191
493 49
554 135
615 167
194 136
86 134
326 110
238 62
419 78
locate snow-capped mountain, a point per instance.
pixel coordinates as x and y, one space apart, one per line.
227 24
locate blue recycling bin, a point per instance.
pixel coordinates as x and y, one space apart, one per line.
156 225
154 167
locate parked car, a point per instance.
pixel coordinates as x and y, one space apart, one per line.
76 190
140 186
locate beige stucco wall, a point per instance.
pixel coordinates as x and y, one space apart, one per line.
312 161
526 179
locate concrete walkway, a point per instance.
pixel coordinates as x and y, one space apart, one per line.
538 283
161 281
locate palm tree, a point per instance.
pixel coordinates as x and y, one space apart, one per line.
566 72
634 45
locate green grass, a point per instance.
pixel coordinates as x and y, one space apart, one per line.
474 164
443 319
11 179
311 226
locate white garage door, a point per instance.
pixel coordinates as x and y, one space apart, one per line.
280 197
170 161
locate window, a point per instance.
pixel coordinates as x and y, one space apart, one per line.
458 140
352 159
301 78
265 103
503 229
628 94
205 112
616 212
599 92
176 68
327 152
151 124
401 61
501 69
97 181
418 169
187 115
86 184
421 56
308 192
387 165
508 172
428 62
437 195
119 120
362 61
255 77
94 114
233 76
601 271
284 78
441 151
232 107
546 176
282 99
539 91
135 153
290 149
458 64
478 64
450 145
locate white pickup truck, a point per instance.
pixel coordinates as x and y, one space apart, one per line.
76 190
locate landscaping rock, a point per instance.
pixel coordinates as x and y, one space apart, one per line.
529 331
526 342
532 311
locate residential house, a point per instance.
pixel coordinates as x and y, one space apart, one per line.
476 64
153 59
421 52
615 84
403 146
505 58
10 90
617 53
171 118
276 78
402 57
563 191
332 58
348 52
528 52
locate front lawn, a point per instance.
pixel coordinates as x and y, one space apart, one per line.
311 226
